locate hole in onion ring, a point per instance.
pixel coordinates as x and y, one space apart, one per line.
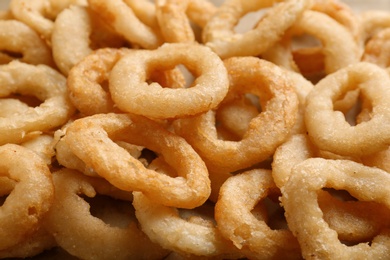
342 207
276 219
114 212
342 195
29 100
353 107
147 155
299 42
189 77
2 199
14 55
249 21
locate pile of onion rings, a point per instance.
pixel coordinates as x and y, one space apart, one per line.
161 129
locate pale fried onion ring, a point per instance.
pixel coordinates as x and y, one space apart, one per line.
125 22
89 139
237 198
329 130
278 117
70 37
165 226
17 37
377 49
89 237
352 220
87 80
173 20
219 36
131 92
44 83
305 218
31 197
39 14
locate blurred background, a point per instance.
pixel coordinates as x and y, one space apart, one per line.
356 4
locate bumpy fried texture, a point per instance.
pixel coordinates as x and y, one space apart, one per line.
194 129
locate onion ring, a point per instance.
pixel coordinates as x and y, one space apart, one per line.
201 11
47 85
132 94
299 197
86 80
190 189
125 22
372 22
328 129
196 235
219 36
339 49
37 13
31 197
278 116
68 159
17 37
173 20
86 236
35 244
350 219
70 37
237 197
42 145
145 10
339 52
77 32
340 12
377 48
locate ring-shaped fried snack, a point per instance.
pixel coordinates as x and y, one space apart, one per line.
339 47
201 11
131 92
329 130
35 244
89 237
305 218
70 37
145 10
372 22
219 34
47 85
124 21
31 197
173 20
65 157
92 140
16 37
40 14
237 198
342 13
377 48
352 220
77 32
87 80
195 235
266 131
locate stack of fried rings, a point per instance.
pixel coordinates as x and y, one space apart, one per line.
137 129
